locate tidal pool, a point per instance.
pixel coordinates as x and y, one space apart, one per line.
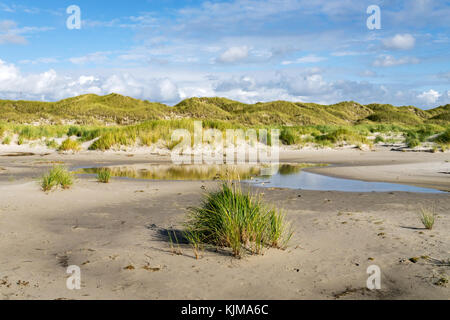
291 176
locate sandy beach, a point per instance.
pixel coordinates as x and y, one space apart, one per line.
117 233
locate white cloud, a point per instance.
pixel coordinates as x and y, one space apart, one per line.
430 96
50 85
96 57
390 61
368 73
39 61
306 59
10 34
234 54
346 53
400 42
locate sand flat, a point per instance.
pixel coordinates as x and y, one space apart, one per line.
116 233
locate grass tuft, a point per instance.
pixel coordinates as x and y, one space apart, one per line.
428 217
57 176
104 175
70 145
232 219
7 140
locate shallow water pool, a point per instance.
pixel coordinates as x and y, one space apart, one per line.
311 181
291 176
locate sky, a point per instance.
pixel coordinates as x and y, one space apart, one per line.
318 51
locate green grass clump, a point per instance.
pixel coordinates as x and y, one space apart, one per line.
232 219
288 136
444 138
57 176
340 135
104 175
427 217
7 140
70 145
51 144
379 139
412 142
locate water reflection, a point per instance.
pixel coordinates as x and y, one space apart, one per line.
280 176
310 181
196 172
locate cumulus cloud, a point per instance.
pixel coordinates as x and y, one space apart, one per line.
390 61
234 54
430 96
50 85
301 84
400 42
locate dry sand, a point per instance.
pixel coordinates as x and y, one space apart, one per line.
105 228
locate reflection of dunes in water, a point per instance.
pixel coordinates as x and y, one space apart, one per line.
199 172
190 172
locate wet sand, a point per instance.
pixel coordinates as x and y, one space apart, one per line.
117 234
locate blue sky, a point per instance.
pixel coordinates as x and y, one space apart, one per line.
249 50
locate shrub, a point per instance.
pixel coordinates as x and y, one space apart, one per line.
58 176
103 175
229 218
70 145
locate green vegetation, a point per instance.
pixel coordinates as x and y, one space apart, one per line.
444 138
232 219
104 175
70 145
115 121
116 109
58 176
427 216
51 143
7 140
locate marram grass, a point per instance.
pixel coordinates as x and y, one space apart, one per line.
70 145
104 175
57 176
427 217
230 218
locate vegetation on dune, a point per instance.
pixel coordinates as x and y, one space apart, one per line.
7 140
116 109
444 138
240 221
117 121
57 176
69 145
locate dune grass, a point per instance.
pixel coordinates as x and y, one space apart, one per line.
427 217
70 145
6 140
120 110
147 133
236 220
443 138
104 175
57 176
